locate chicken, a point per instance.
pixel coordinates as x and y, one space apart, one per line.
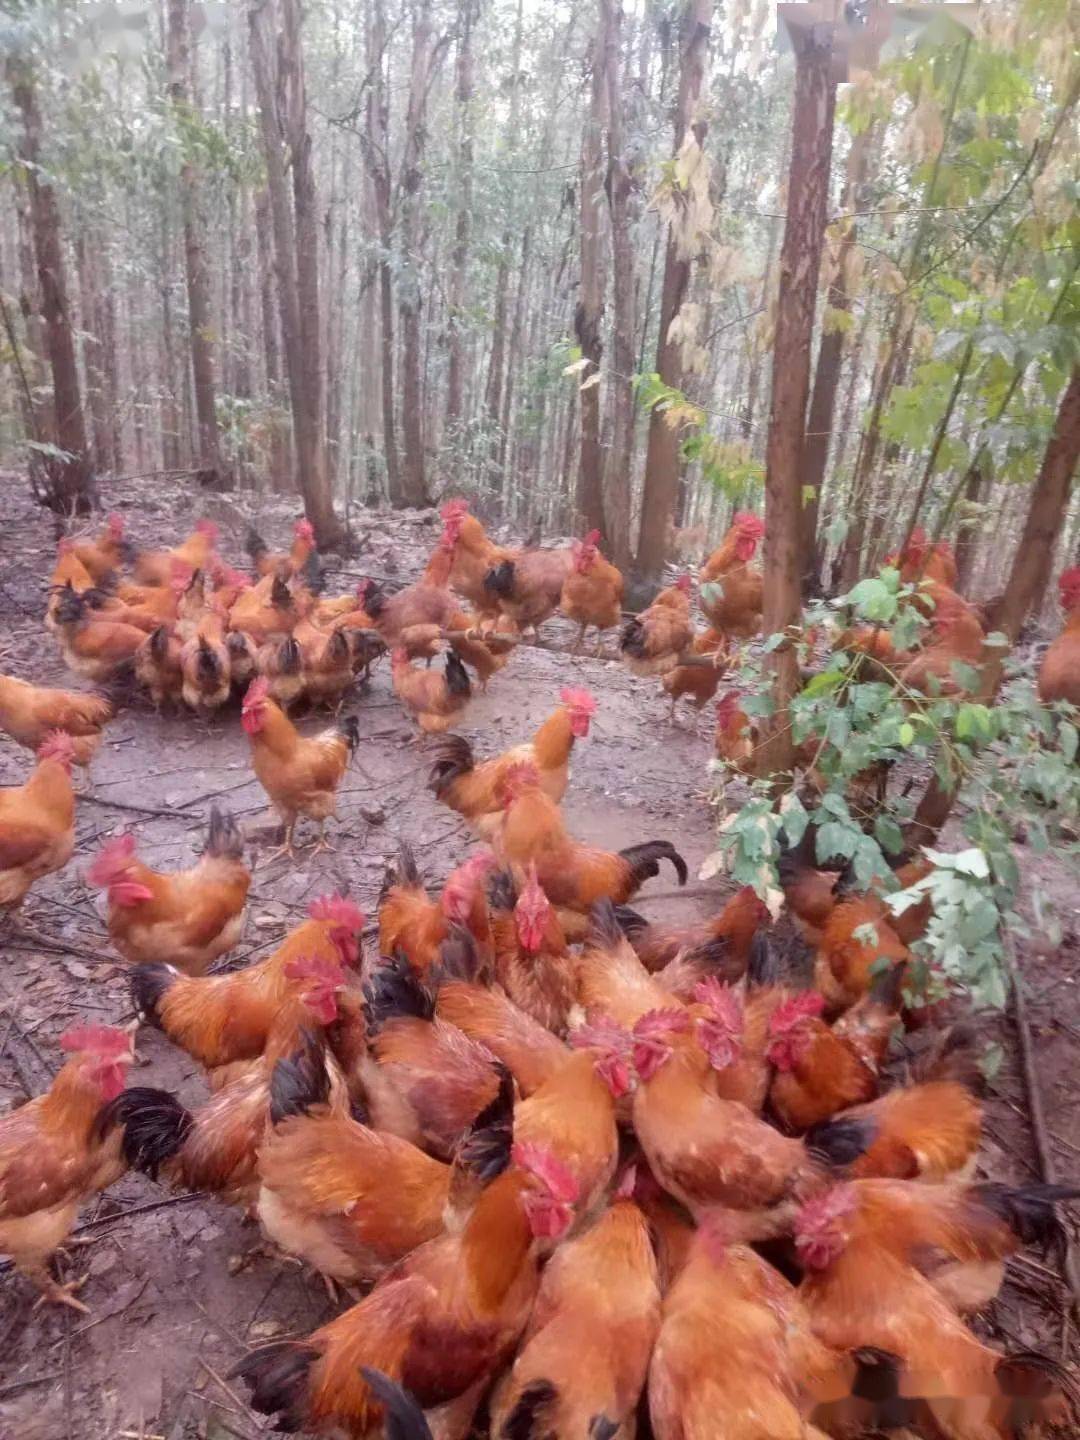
821 1070
215 1148
527 586
326 663
442 1323
653 641
94 647
29 712
426 1080
349 1200
929 1129
68 573
723 942
857 940
731 593
158 665
267 611
223 1019
958 1236
706 1151
156 567
187 919
944 1381
592 593
531 960
280 663
957 639
102 557
611 980
55 1154
433 700
1059 673
582 1362
921 560
574 876
473 554
204 665
698 681
267 563
723 1368
737 741
37 821
473 790
299 773
415 927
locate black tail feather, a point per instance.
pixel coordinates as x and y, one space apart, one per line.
394 989
631 922
485 1150
289 656
148 984
453 758
502 891
300 1081
840 1142
764 966
403 1418
223 836
954 1057
1028 1210
605 932
159 642
499 580
280 594
155 1126
457 677
277 1375
632 639
255 545
349 727
459 957
644 860
522 1421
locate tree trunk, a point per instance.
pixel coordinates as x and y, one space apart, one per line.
41 421
376 147
410 296
283 118
459 255
662 454
93 369
70 479
589 315
967 537
827 375
200 328
280 471
617 489
800 263
1046 515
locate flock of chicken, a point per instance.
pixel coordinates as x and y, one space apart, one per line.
592 1173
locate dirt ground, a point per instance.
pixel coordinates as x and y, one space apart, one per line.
177 1287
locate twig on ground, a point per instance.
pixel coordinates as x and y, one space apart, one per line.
126 805
18 1385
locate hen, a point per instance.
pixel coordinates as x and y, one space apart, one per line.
723 943
37 821
268 563
527 586
158 666
1059 674
415 927
592 593
187 919
157 567
300 774
699 682
731 593
106 554
93 646
56 1152
957 639
652 642
28 713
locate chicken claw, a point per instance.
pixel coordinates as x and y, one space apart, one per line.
53 1293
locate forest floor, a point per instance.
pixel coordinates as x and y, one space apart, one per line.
178 1288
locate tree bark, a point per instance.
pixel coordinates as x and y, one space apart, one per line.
967 536
819 424
617 488
425 57
800 264
589 314
70 479
200 327
662 454
459 255
281 477
93 368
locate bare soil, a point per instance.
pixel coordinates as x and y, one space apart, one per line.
178 1286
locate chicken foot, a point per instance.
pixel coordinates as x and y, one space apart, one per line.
53 1292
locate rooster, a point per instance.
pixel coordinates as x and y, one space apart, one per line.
653 641
574 876
472 789
300 774
268 563
698 681
473 554
415 927
93 646
583 1359
442 1324
156 567
204 665
105 555
224 1019
957 639
531 960
158 665
1059 673
56 1152
592 593
29 712
723 943
188 919
731 593
37 821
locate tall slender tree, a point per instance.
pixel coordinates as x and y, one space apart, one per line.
589 315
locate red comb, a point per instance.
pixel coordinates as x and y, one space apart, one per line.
115 525
723 1003
65 545
749 524
95 1040
578 699
1069 585
795 1012
304 530
545 1167
591 538
454 509
658 1024
209 529
338 910
113 861
822 1210
683 584
57 745
601 1032
315 967
257 693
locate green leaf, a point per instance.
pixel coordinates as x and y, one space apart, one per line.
1067 739
966 676
906 733
795 819
823 683
773 642
836 839
889 835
